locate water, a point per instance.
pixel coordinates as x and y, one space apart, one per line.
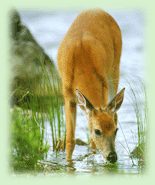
49 28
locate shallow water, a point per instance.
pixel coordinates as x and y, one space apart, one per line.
49 28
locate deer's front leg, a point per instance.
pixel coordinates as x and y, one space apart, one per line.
70 111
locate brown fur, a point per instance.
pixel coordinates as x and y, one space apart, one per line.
105 121
88 59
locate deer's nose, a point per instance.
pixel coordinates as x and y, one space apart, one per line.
112 157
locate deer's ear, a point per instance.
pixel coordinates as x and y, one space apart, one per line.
116 102
83 102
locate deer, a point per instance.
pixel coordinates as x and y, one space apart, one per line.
89 65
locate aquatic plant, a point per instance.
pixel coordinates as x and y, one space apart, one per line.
139 102
137 97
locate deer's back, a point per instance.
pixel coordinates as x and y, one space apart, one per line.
88 54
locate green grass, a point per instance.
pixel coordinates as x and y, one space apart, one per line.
26 140
137 96
139 102
27 123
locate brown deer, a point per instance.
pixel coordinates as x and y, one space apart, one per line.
88 62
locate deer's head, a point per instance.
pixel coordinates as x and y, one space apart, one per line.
102 123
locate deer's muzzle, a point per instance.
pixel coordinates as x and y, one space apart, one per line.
112 157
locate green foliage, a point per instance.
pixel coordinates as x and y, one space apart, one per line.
40 100
26 141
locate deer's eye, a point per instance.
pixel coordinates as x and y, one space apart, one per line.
97 132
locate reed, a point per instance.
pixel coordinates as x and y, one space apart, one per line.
137 97
40 100
139 102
